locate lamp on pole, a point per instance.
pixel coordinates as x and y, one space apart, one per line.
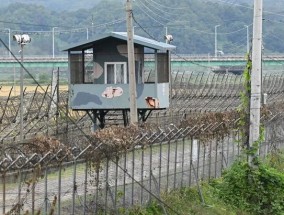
9 32
22 40
247 38
53 29
87 33
216 26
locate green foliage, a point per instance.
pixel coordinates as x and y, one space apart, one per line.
256 190
187 201
55 4
191 23
276 160
241 191
44 78
243 109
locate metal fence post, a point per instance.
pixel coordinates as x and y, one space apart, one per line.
124 180
150 170
4 191
216 157
175 167
142 175
198 158
133 172
204 161
116 179
45 192
74 186
106 185
190 160
210 157
19 191
182 162
59 190
160 165
85 187
168 165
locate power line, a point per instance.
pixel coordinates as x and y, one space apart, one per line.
143 28
193 62
212 33
275 21
30 24
161 10
233 4
63 31
61 26
170 8
251 8
150 16
152 12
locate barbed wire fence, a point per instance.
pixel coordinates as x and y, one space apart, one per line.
72 180
66 180
61 169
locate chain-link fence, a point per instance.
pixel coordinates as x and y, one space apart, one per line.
70 181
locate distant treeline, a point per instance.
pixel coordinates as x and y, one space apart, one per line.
193 24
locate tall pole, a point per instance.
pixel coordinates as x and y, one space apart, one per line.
22 95
255 100
131 64
87 33
9 34
22 40
92 25
166 28
53 41
216 46
247 38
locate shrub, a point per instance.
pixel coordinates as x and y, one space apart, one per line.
256 190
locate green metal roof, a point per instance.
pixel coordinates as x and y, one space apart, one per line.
146 42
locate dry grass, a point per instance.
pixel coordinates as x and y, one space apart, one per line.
5 90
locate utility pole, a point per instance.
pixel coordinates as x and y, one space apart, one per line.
255 98
216 46
53 31
92 25
131 64
247 27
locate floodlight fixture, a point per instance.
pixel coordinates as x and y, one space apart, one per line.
22 39
169 38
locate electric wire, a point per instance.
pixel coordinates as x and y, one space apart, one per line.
252 8
60 26
275 21
148 15
167 7
161 10
233 4
152 12
186 60
134 19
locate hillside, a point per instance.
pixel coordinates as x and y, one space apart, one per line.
192 23
56 5
72 5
